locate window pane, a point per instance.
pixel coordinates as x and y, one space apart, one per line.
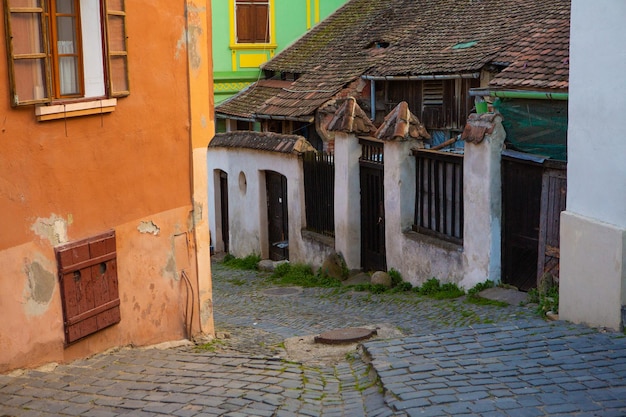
30 81
117 40
68 75
66 34
65 6
119 83
27 37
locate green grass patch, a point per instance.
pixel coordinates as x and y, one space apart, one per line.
301 275
434 289
250 262
548 301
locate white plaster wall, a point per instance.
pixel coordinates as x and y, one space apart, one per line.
482 205
597 127
248 204
593 229
592 271
399 186
424 257
348 199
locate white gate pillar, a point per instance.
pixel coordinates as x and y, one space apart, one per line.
482 199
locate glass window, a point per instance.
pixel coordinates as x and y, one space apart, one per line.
48 42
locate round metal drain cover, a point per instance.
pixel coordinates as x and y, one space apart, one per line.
346 335
283 291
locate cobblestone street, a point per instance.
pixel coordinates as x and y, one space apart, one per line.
450 358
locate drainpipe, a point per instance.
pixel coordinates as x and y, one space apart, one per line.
473 75
373 99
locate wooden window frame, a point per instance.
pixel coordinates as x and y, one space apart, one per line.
56 56
114 43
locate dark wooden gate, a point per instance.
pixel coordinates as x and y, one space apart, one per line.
373 254
521 198
224 209
277 215
533 197
553 198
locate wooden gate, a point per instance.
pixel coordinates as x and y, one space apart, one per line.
373 254
277 216
553 197
224 209
533 196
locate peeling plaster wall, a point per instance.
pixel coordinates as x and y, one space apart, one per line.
130 171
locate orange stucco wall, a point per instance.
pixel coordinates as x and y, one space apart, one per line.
131 171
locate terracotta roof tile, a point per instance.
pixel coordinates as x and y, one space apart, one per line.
350 118
262 141
400 123
539 58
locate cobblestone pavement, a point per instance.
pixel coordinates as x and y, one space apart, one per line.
455 359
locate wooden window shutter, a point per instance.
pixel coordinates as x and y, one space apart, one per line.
89 286
253 21
29 65
117 48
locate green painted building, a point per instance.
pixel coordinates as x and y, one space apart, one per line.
247 33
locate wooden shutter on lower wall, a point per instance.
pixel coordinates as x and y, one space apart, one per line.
89 286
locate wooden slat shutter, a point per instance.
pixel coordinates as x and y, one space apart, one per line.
89 286
252 21
117 48
29 64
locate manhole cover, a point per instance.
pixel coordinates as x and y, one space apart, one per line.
283 291
346 335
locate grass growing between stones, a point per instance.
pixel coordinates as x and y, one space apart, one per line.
474 298
212 346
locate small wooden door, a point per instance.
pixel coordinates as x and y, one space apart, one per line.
521 198
224 209
277 215
373 250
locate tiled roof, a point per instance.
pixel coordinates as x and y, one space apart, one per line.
262 141
244 104
540 59
387 38
421 36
